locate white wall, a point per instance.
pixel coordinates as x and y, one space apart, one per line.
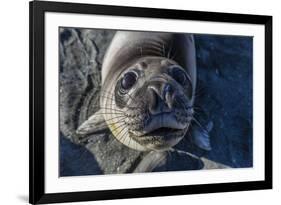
14 100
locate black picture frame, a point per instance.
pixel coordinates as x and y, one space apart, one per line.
37 9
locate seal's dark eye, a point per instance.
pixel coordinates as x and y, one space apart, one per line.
179 75
129 79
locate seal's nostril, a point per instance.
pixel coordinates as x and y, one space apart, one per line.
169 100
168 95
153 100
167 89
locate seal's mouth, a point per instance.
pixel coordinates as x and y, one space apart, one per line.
164 124
162 131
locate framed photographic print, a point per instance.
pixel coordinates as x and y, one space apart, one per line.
140 102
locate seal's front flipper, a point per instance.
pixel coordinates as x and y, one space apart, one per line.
169 160
152 160
201 137
94 124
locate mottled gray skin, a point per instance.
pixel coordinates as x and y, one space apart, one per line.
156 112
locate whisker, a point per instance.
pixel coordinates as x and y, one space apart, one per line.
108 108
116 117
135 100
117 122
122 103
113 123
199 91
108 113
117 135
198 123
123 136
118 127
140 108
111 98
129 107
120 111
180 101
112 94
130 139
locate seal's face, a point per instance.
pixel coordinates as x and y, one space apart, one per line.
150 106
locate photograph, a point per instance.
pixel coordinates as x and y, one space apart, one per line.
130 102
150 101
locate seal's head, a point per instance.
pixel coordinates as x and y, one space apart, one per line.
150 104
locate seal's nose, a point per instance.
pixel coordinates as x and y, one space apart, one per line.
161 98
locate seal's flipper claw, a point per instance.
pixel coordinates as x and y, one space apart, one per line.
201 137
95 123
210 164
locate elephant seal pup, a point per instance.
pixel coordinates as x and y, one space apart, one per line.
148 90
